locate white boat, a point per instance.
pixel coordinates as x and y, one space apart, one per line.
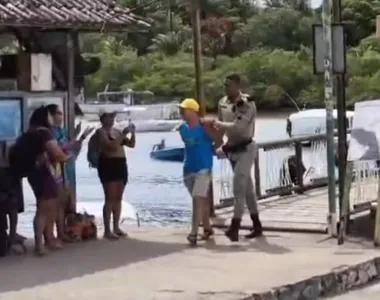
150 125
124 118
135 107
312 121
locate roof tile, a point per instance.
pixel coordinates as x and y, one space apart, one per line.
89 14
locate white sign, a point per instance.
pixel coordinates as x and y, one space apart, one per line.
365 135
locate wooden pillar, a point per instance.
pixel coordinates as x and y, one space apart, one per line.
71 91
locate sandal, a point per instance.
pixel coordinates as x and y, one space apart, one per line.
207 233
66 239
39 251
192 239
55 244
111 236
120 233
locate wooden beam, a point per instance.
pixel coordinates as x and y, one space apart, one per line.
25 42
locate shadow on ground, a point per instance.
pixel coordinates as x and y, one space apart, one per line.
259 245
76 260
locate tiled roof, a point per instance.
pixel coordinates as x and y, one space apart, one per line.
82 14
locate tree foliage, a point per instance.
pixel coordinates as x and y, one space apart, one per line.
270 45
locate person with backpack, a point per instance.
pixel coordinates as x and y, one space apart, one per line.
65 173
106 153
197 168
31 157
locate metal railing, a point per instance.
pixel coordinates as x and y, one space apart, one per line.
282 167
295 165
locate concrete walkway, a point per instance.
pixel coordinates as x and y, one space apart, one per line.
158 265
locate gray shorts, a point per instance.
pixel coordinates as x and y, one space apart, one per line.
198 184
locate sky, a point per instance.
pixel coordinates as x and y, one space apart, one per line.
316 3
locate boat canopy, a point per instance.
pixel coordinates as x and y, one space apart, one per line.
128 97
316 113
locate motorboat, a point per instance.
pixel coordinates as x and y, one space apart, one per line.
161 152
115 101
312 121
136 107
128 114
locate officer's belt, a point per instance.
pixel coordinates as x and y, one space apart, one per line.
240 147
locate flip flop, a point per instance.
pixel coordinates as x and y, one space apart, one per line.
111 237
192 239
207 233
120 233
39 251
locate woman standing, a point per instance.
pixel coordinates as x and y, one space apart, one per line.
112 170
65 173
31 156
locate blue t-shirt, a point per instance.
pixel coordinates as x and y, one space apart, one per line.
199 148
62 137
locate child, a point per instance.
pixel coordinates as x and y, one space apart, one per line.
197 167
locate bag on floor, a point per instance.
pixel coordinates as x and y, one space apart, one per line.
93 150
80 227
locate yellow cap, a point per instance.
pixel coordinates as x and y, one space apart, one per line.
190 104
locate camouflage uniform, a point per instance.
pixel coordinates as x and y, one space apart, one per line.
238 119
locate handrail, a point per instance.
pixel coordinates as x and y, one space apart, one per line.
296 184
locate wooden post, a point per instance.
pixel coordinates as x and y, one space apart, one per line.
71 91
197 51
344 214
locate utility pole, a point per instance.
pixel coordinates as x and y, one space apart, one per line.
197 50
340 87
327 17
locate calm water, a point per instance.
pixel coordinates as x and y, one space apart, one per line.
155 190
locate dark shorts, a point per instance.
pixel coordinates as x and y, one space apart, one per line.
43 183
11 196
111 169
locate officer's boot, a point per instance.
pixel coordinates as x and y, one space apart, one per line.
233 231
257 229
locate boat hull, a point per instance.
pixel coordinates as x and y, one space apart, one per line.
169 154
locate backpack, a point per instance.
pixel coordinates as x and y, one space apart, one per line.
93 150
22 158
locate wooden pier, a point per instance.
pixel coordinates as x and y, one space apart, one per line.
305 212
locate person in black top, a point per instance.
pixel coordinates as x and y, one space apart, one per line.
39 141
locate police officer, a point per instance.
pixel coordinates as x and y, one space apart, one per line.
237 116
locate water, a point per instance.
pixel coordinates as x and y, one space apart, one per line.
155 190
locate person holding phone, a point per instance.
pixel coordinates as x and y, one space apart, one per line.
65 173
113 169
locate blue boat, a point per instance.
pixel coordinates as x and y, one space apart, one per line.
161 152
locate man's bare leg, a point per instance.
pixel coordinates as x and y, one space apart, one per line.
207 229
197 217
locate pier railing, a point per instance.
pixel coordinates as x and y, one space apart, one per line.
283 167
296 165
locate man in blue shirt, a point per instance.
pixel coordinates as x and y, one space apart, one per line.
197 167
